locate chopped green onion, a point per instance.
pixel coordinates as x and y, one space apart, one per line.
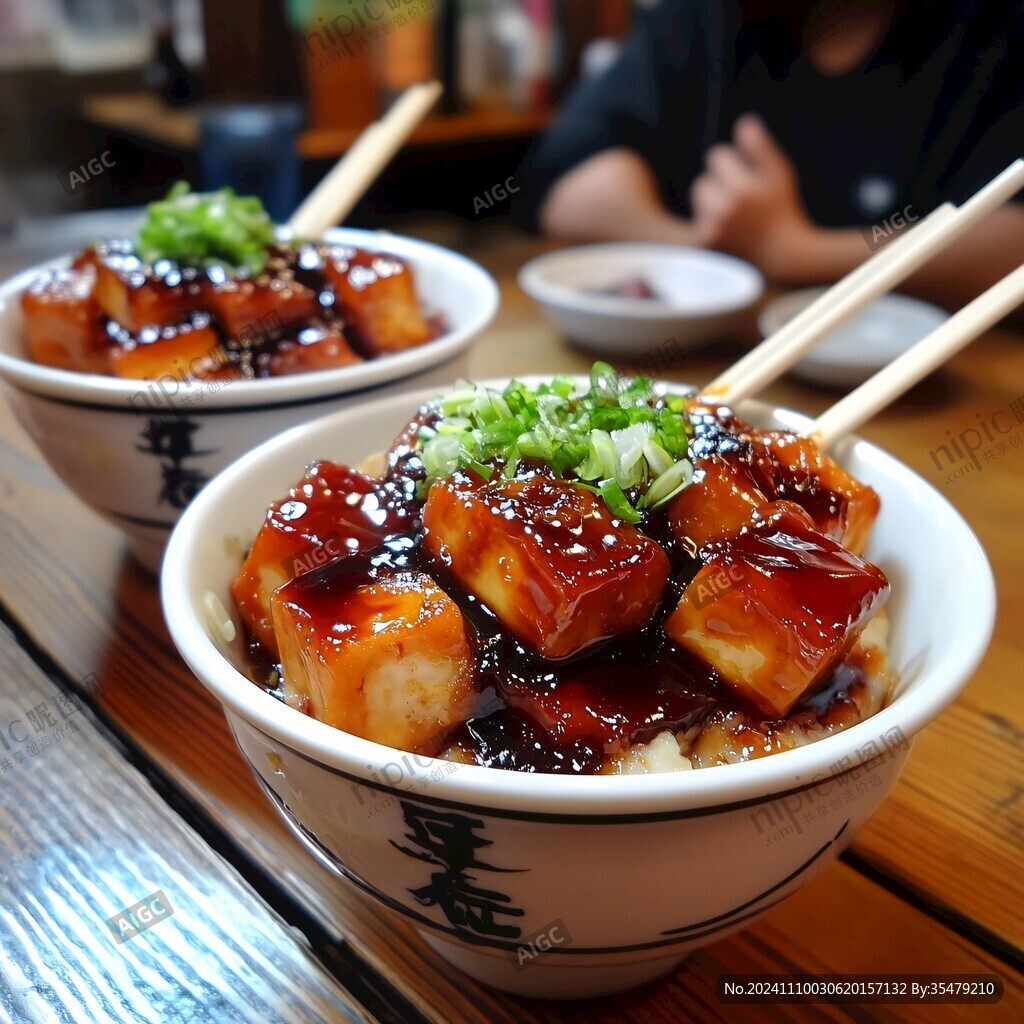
206 229
604 380
619 439
629 446
479 468
563 385
668 484
441 455
617 501
657 458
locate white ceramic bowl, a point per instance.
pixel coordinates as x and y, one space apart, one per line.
135 451
622 875
860 347
701 294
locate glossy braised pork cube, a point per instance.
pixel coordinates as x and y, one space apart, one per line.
377 295
383 656
774 609
793 469
331 512
188 350
548 558
312 348
63 323
258 310
135 295
720 502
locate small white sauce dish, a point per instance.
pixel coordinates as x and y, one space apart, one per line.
699 295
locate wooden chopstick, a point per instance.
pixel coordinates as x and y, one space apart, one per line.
347 181
847 298
916 363
779 343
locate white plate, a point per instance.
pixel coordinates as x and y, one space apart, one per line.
861 346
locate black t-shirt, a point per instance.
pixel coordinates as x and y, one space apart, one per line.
932 115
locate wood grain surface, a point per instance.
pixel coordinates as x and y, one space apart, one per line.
83 837
933 882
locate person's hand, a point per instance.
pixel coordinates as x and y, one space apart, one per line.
747 201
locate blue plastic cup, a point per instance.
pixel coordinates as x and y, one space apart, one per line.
253 147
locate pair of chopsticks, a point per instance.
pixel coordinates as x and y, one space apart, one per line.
346 183
886 269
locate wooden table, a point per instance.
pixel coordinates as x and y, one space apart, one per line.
143 790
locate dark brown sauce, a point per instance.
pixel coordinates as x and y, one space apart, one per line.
385 509
570 716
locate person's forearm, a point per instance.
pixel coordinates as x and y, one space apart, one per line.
613 196
975 261
815 256
978 259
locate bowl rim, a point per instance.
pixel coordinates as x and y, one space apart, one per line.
595 798
533 280
100 391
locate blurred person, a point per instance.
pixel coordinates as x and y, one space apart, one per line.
798 136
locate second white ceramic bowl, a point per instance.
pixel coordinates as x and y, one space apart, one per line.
549 885
701 295
136 452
